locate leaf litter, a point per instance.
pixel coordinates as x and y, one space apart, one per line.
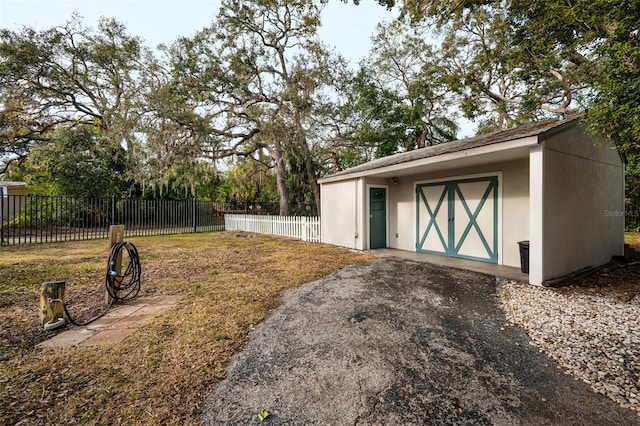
229 281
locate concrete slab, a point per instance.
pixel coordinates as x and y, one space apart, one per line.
151 310
120 322
175 298
133 321
123 310
168 300
108 337
500 271
102 323
67 338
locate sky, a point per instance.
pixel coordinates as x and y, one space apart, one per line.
346 27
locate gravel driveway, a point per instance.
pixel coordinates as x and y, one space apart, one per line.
396 342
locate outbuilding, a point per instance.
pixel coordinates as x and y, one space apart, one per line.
547 187
12 197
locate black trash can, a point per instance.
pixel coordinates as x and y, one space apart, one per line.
524 256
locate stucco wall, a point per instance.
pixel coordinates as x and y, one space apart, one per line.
515 209
583 190
340 213
22 190
10 204
514 190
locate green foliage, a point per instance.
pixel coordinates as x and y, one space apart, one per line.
596 45
600 43
74 75
74 163
552 55
381 115
485 69
248 181
20 129
614 109
70 103
202 181
632 179
397 100
51 212
93 112
252 82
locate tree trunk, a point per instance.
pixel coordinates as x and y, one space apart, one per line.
308 161
281 173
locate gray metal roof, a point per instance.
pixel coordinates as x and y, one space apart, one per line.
526 130
11 184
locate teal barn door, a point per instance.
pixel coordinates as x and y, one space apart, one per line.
458 218
377 218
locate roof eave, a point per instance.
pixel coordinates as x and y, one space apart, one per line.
567 124
12 184
450 156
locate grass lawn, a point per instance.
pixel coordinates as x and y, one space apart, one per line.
632 238
161 374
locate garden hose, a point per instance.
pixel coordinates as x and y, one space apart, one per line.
126 286
120 287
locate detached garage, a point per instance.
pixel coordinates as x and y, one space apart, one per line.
548 183
12 197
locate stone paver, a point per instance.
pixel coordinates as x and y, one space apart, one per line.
103 323
121 321
121 311
108 337
68 338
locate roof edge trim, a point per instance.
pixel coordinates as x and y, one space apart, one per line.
449 156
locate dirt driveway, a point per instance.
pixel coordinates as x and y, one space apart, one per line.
396 342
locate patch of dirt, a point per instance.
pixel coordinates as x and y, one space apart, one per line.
617 281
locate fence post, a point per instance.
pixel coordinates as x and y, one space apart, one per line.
2 215
195 215
113 210
305 229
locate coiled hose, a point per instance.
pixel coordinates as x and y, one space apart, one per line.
121 288
126 286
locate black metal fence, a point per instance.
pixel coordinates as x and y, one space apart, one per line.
632 217
29 219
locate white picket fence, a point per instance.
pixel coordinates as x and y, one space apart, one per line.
300 227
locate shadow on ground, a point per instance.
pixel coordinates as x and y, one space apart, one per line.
397 342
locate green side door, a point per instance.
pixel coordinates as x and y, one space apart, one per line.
377 218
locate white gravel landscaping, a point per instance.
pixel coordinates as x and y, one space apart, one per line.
592 332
